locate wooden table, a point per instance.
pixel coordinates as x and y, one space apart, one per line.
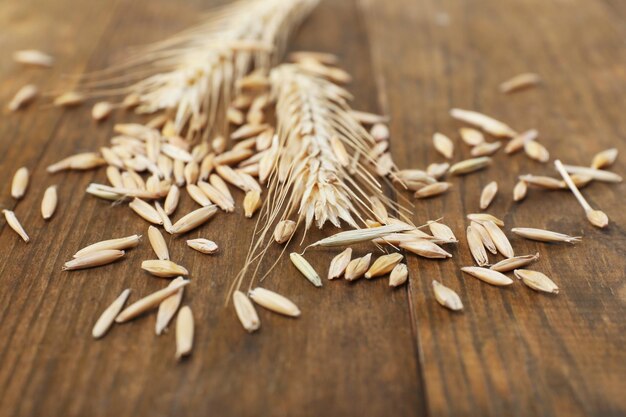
358 349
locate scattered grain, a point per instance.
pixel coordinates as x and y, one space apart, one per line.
398 275
486 123
476 247
488 194
246 312
203 245
357 267
194 219
184 332
537 281
19 183
544 235
516 262
158 243
488 275
105 321
443 145
305 268
149 302
470 165
111 244
472 137
23 97
519 82
168 307
339 264
15 224
274 302
499 239
433 190
447 297
93 259
49 202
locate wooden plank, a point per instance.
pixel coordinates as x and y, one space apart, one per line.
352 351
513 351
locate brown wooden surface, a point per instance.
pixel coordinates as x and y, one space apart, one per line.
358 349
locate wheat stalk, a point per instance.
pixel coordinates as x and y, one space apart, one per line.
307 176
194 73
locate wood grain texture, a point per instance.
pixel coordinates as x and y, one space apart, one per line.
359 348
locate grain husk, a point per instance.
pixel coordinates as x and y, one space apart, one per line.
284 230
305 268
488 275
432 190
217 197
486 123
339 264
441 232
537 281
483 217
425 248
443 145
437 171
485 149
107 318
110 244
470 165
399 275
499 239
488 194
516 262
194 219
33 57
163 268
184 332
536 151
198 195
447 297
167 223
519 191
604 159
517 143
93 259
470 136
519 82
81 161
205 246
357 267
19 183
69 99
544 235
383 265
101 110
541 181
274 302
49 202
251 203
149 302
158 243
484 237
15 224
476 247
246 312
380 132
168 307
145 211
23 97
361 235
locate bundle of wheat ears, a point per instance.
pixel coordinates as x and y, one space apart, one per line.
229 115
